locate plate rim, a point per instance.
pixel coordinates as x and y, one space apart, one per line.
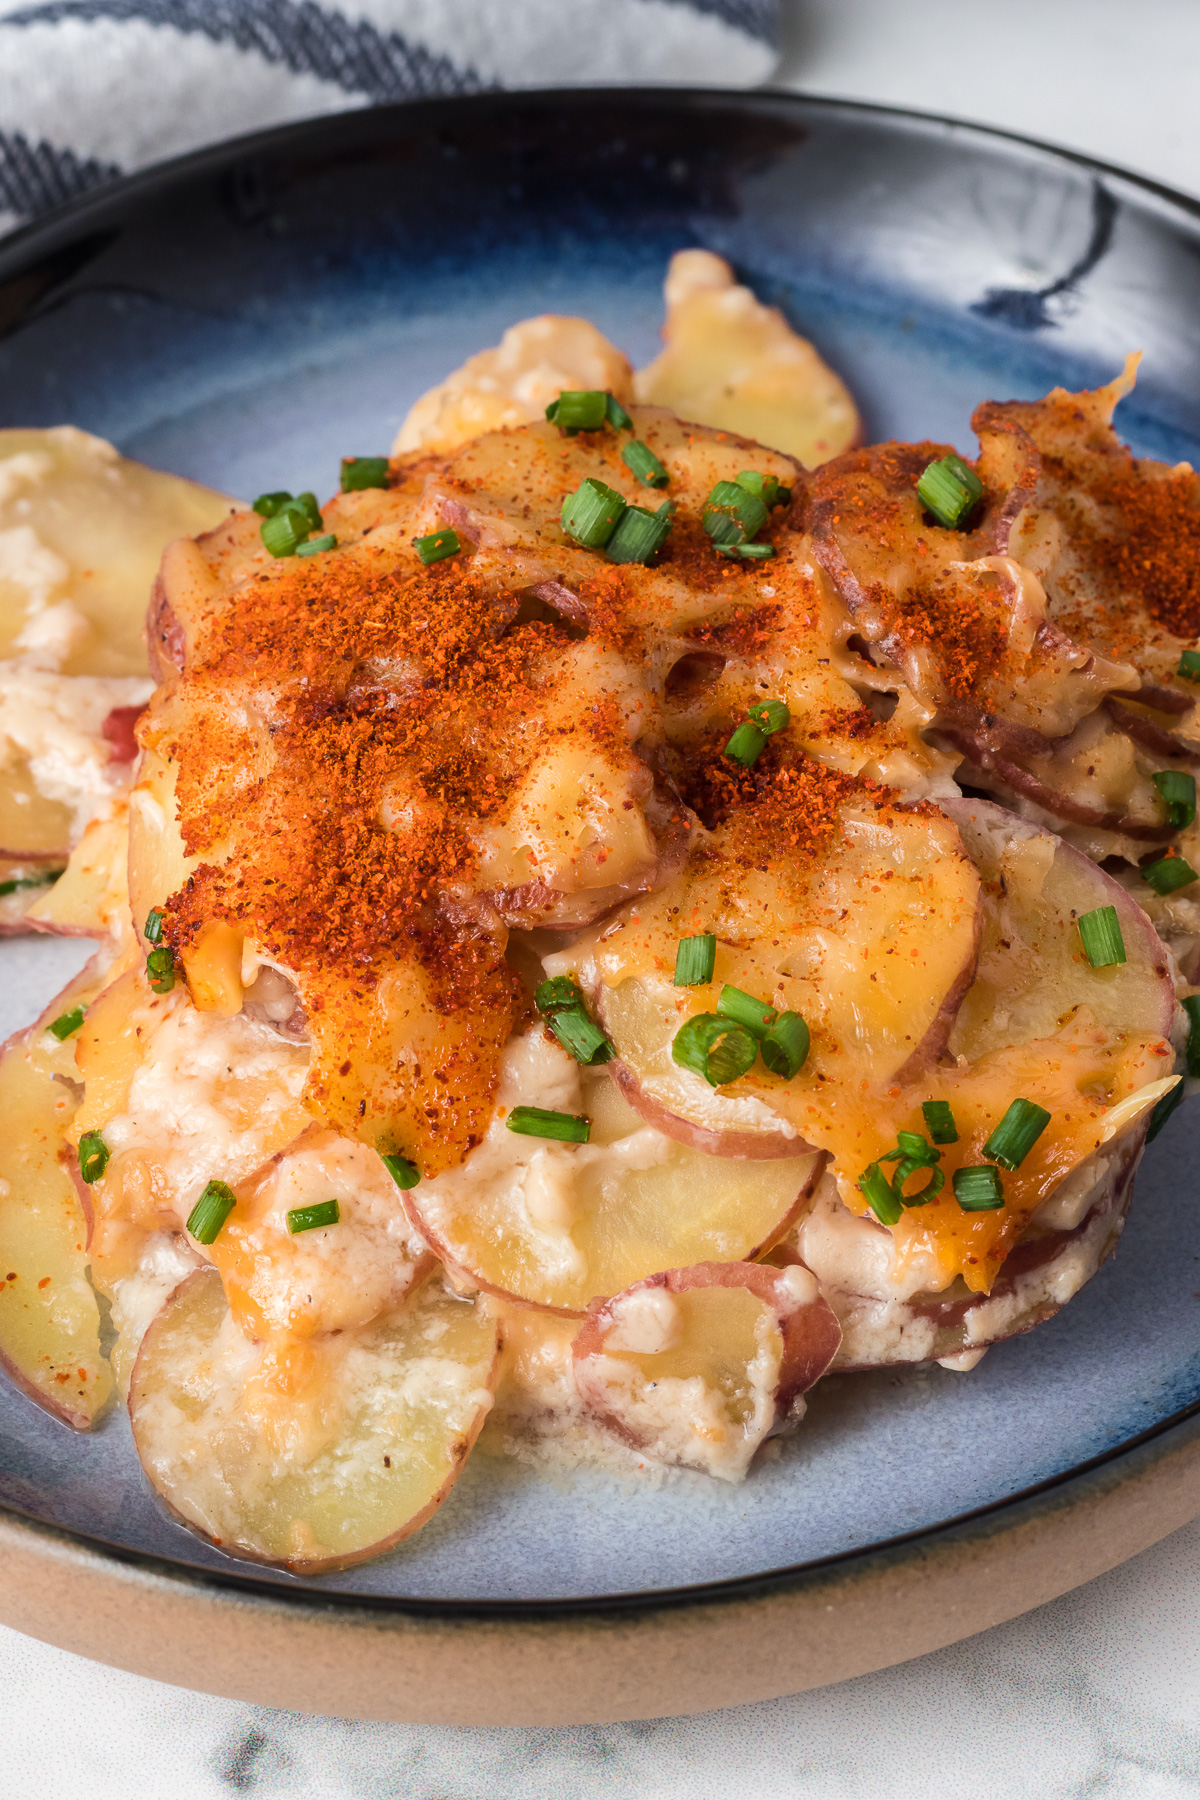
30 243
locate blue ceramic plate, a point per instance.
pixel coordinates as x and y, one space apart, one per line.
250 315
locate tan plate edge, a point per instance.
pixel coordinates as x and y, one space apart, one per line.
847 1618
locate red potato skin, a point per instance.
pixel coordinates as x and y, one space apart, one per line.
747 1146
471 1279
166 638
299 1565
811 1334
1059 805
120 728
1151 736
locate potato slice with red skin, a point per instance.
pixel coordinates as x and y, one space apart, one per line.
698 1366
557 1225
91 896
875 954
49 1320
309 1456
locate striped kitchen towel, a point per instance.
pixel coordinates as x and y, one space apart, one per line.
92 88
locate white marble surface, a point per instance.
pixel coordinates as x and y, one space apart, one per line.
1095 1697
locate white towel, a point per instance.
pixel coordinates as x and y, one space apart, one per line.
90 89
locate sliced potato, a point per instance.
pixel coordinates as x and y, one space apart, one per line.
514 383
91 897
558 1225
736 364
49 1320
309 1455
83 530
697 1366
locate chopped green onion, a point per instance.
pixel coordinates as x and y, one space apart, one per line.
1100 934
359 472
93 1156
317 546
17 882
558 992
1169 873
916 1148
267 505
909 1166
939 1121
1016 1134
754 1014
66 1024
617 417
304 506
695 960
154 925
641 461
1178 793
765 486
591 514
732 514
877 1191
283 534
979 1188
211 1211
405 1174
784 1049
1189 665
748 552
770 716
579 409
1161 1112
436 546
539 1122
715 1047
160 970
308 1218
950 490
747 744
1191 1007
639 535
580 1035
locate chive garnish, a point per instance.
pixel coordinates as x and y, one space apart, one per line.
405 1174
1161 1112
1169 873
283 533
979 1188
784 1048
580 1035
359 472
154 925
46 878
1016 1134
66 1024
1100 934
579 409
436 546
746 745
641 461
592 513
93 1156
732 514
765 486
748 552
939 1121
267 505
211 1211
913 1152
638 535
754 1014
695 960
1178 793
317 546
540 1122
616 415
1189 665
1191 1007
877 1191
557 992
160 970
770 716
950 490
309 1218
718 1048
